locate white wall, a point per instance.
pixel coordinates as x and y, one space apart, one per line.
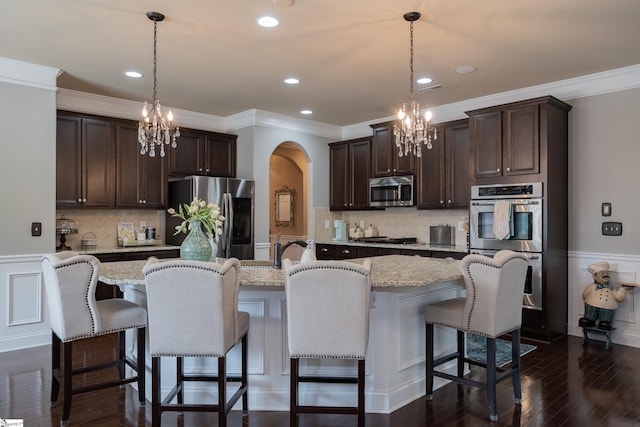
605 149
27 174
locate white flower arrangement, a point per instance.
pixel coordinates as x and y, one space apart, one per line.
199 210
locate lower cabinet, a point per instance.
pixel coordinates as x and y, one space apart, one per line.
327 251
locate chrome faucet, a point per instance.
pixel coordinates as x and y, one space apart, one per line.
278 250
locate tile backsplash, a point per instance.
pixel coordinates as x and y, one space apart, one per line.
393 222
103 223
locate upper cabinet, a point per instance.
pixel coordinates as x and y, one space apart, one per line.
203 153
85 151
510 142
443 171
385 159
141 181
350 170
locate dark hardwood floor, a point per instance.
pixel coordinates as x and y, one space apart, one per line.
563 384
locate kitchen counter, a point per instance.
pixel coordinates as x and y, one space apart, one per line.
391 271
403 287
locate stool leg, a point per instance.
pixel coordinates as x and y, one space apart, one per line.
122 350
141 369
67 382
55 366
361 393
222 389
156 413
461 351
491 378
429 357
515 365
245 377
179 376
293 399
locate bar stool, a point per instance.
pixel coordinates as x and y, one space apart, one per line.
327 317
70 282
492 307
193 312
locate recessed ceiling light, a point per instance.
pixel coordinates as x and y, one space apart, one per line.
268 21
465 69
291 81
134 74
306 112
424 80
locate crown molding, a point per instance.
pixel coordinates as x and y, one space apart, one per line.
565 90
26 74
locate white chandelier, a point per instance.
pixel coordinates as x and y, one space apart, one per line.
411 130
154 129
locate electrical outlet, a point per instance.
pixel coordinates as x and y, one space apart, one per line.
362 224
327 224
612 229
460 225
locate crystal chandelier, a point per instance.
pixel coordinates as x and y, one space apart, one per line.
154 129
411 130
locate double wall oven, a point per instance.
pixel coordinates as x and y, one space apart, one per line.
525 205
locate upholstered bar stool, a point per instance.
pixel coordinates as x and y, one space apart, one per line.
70 282
327 317
193 312
492 307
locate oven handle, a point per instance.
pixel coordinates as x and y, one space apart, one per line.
532 202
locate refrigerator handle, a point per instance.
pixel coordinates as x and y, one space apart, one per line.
228 222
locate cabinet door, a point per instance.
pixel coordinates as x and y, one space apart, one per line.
128 166
486 137
141 181
187 158
98 152
431 175
382 164
220 155
338 176
522 140
359 164
457 161
68 160
385 159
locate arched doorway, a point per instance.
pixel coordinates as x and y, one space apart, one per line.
288 189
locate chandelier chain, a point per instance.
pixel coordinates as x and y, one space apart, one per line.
411 130
155 129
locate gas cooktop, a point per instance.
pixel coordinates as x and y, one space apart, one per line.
383 239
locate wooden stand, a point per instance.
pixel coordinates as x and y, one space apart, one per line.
587 329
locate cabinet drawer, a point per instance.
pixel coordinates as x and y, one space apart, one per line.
345 252
324 252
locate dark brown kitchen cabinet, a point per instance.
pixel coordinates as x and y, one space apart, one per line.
510 142
85 151
385 158
443 171
141 180
350 170
203 153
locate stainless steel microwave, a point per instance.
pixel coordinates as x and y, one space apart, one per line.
391 191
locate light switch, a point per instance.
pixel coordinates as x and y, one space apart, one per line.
36 229
606 209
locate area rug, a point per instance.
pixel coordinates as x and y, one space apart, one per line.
477 350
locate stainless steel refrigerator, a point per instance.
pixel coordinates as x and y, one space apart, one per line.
236 199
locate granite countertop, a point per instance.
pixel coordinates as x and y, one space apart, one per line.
391 271
416 246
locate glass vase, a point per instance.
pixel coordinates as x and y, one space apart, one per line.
196 246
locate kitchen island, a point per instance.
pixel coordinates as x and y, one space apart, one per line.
402 286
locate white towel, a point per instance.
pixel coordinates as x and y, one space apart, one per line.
502 220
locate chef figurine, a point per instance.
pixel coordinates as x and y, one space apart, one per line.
600 298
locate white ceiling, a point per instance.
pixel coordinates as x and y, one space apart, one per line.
352 56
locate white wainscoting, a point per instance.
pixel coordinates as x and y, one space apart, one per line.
24 319
622 268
